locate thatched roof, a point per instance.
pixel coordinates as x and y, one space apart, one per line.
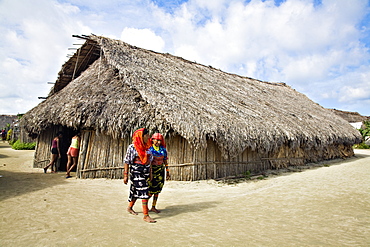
126 87
351 117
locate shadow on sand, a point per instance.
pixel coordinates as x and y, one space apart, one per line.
171 211
4 145
14 184
3 156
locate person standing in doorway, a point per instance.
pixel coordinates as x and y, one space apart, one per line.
158 166
72 154
137 161
3 135
55 153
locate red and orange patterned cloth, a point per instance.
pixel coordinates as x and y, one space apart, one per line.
140 146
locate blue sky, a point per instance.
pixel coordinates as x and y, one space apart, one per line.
319 48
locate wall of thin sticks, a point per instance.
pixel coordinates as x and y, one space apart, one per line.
102 156
188 164
43 147
22 136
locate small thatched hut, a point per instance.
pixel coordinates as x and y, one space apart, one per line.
351 117
216 124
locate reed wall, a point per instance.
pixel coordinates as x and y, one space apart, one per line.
188 164
43 147
102 156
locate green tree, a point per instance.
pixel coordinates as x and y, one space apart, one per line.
365 132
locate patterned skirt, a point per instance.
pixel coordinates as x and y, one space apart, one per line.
139 176
156 185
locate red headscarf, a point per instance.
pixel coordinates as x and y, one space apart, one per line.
159 136
140 146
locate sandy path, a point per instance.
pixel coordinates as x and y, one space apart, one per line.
327 206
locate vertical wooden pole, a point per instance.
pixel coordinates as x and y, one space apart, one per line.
85 137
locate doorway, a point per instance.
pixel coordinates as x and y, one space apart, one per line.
65 142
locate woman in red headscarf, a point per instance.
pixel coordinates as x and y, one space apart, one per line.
159 164
137 160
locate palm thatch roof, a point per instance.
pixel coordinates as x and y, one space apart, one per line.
351 117
114 88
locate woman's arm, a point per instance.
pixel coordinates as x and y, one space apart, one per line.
125 173
168 176
165 162
58 148
129 159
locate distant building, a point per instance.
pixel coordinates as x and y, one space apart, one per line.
351 117
6 120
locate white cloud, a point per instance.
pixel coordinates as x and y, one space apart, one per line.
35 39
264 34
188 51
144 38
309 47
314 48
355 86
349 91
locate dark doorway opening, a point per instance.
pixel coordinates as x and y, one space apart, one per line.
65 142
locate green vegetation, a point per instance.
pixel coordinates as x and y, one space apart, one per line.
365 133
17 145
361 146
247 174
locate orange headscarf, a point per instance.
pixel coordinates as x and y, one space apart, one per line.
140 146
159 136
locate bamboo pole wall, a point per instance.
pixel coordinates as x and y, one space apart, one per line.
189 164
208 164
103 157
43 147
23 137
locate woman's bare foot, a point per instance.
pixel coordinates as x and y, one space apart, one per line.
148 219
153 209
131 211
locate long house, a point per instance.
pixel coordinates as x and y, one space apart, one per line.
216 124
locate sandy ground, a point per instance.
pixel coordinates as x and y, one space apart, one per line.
325 206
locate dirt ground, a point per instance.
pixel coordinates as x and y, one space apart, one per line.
324 206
